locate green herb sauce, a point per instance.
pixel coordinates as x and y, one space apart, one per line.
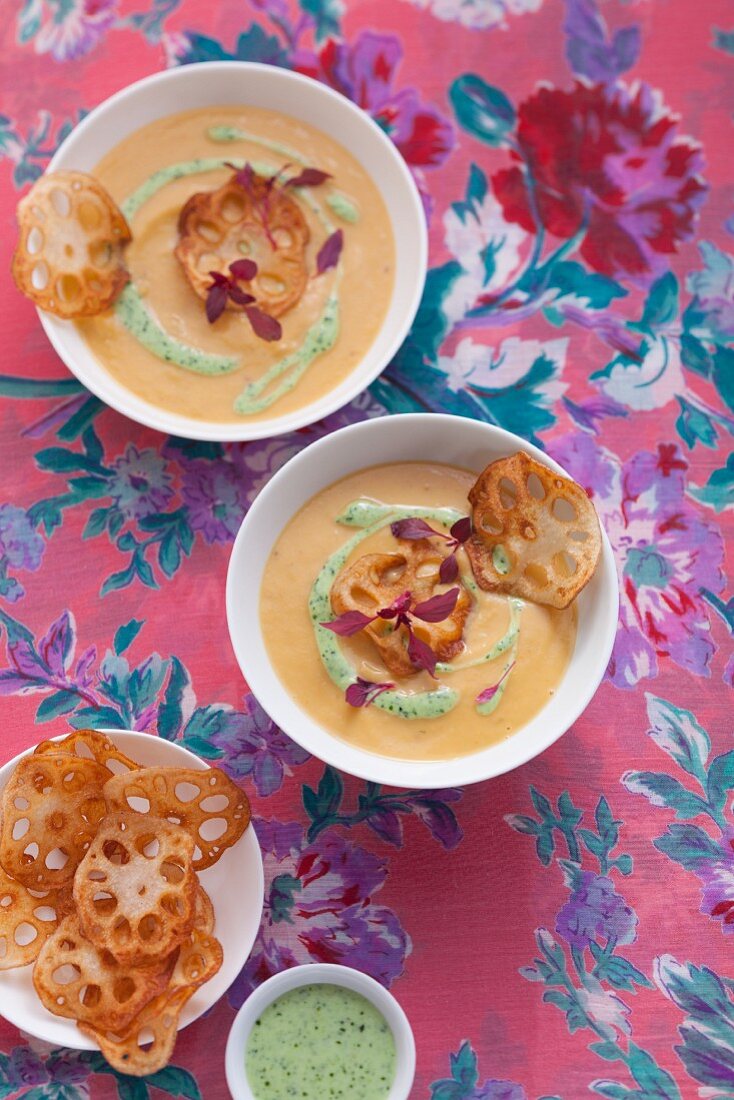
138 319
372 516
500 560
343 207
320 1042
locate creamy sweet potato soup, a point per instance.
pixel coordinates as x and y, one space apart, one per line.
510 659
157 340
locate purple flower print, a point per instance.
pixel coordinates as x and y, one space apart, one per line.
329 886
253 745
216 496
25 1069
20 548
713 306
141 485
595 909
71 30
665 553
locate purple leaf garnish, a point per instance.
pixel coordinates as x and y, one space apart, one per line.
397 608
263 325
448 570
461 530
421 654
351 622
413 529
216 300
330 252
363 692
244 270
241 297
438 607
489 693
309 177
244 176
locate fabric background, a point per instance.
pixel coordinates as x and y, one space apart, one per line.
567 928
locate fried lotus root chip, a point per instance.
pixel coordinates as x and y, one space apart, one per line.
51 808
198 960
156 1027
212 809
135 889
265 225
204 918
75 979
27 919
376 580
91 743
536 534
69 258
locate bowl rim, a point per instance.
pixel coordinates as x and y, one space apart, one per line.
454 771
320 974
249 837
102 384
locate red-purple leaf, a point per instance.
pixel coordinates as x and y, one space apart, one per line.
216 300
241 297
461 530
351 622
363 692
438 607
244 270
414 529
448 570
218 279
489 693
309 177
244 176
398 607
263 325
421 654
330 252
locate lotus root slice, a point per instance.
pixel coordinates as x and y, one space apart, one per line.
69 257
536 533
376 580
27 919
92 745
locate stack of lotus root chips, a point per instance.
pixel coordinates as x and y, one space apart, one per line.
99 889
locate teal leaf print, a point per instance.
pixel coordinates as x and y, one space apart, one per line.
126 634
720 779
707 1050
574 281
718 492
695 426
170 711
326 15
676 731
661 305
481 109
688 845
664 790
722 374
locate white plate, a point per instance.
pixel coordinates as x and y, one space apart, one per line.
422 437
235 884
220 83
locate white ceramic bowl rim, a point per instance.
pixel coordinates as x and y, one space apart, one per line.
422 436
198 85
237 920
318 974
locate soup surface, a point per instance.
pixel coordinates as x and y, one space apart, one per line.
157 341
521 649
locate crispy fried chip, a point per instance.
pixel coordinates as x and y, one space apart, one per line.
94 745
51 808
218 227
75 979
536 534
207 804
376 580
135 889
199 959
27 919
155 1026
204 918
69 258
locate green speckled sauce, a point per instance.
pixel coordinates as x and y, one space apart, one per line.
320 1042
371 517
343 207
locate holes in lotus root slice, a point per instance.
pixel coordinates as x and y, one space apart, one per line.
27 919
218 227
147 1044
90 745
76 980
69 258
134 906
535 535
376 580
60 796
160 787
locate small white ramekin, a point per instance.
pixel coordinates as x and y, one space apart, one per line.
320 974
241 83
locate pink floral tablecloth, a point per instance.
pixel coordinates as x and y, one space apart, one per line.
566 929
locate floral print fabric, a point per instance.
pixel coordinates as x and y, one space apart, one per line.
564 930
